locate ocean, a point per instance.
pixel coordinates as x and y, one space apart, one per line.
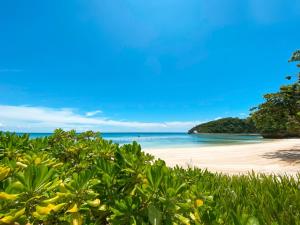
175 140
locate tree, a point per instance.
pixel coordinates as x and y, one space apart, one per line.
279 116
296 58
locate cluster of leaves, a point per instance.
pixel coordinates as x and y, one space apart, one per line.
70 178
279 115
225 125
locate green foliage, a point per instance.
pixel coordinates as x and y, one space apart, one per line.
279 115
70 178
295 57
225 125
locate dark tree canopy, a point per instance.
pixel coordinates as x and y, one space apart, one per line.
225 125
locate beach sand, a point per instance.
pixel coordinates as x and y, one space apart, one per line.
272 157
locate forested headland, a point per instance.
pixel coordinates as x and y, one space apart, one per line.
225 125
277 117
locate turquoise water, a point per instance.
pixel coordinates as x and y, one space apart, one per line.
175 140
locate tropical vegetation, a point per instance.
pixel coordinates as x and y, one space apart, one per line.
225 125
279 115
70 178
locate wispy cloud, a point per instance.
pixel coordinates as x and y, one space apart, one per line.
93 113
44 119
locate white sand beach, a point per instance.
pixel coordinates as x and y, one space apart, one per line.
277 156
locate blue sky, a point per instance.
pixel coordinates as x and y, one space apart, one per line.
137 65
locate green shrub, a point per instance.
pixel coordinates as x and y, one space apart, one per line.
70 178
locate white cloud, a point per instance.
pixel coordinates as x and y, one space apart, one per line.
43 119
93 113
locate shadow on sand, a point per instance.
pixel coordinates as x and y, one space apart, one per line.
291 156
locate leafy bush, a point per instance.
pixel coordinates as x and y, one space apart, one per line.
70 178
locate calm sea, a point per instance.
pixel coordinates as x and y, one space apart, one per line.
166 140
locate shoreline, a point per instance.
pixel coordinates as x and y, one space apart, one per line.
279 156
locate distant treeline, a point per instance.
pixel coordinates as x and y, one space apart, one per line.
277 117
225 125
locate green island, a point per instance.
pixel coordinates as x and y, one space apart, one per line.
70 178
225 125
